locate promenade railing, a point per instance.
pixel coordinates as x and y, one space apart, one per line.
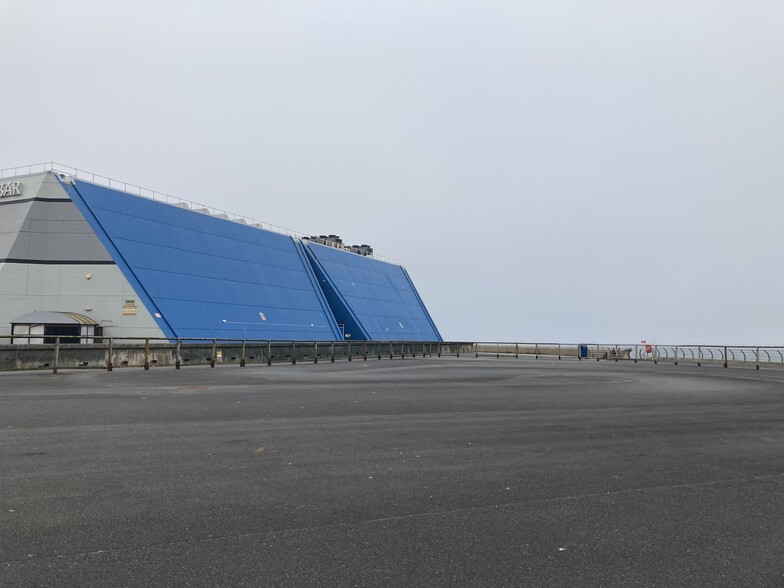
36 351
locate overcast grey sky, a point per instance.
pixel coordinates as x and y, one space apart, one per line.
570 171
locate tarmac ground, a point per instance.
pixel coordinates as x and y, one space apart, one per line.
415 472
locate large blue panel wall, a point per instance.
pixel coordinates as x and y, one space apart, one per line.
208 277
375 300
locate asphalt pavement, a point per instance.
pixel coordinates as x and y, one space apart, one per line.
415 472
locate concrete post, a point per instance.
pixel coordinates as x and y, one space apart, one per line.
559 352
332 352
676 355
757 353
109 356
147 353
293 353
699 356
179 357
364 350
214 353
242 354
315 351
725 357
349 350
269 352
56 353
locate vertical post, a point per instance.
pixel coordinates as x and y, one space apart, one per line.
497 350
332 352
242 354
725 356
757 365
536 350
214 352
559 352
110 351
635 354
413 349
517 351
315 351
269 352
56 353
616 354
655 354
378 348
390 350
699 355
349 350
177 361
676 355
293 353
364 350
147 353
402 350
458 349
439 349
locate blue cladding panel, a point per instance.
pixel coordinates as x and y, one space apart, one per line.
374 299
208 277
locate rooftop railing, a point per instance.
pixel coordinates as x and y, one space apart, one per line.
150 194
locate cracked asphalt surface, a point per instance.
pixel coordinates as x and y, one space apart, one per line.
416 472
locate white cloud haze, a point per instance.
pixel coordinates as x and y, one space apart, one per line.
555 171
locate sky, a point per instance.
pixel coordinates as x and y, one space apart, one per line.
569 171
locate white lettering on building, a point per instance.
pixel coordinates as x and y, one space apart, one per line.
10 189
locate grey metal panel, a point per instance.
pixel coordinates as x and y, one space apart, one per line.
28 288
51 231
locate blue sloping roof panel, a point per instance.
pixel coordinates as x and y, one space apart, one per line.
374 299
208 277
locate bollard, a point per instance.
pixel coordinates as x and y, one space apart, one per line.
315 351
439 349
179 358
390 350
655 354
349 350
517 351
109 357
293 353
242 354
378 348
757 366
725 357
56 353
364 350
536 350
147 353
699 356
332 352
676 355
214 352
559 352
269 352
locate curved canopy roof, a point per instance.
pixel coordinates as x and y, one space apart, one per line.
48 317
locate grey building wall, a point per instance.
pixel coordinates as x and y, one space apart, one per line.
50 259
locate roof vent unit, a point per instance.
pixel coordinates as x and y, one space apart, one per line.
222 215
184 205
203 210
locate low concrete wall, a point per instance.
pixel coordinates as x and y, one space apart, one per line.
164 354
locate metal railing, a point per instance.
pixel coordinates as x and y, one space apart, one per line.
62 352
150 194
59 352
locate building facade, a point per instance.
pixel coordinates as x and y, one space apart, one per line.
139 267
